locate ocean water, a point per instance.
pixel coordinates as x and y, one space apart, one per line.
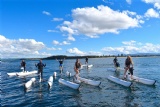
108 94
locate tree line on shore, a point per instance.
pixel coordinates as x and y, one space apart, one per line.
92 56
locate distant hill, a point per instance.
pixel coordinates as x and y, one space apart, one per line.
102 56
70 57
94 56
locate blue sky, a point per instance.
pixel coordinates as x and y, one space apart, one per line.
41 28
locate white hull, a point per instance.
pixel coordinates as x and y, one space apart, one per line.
26 73
141 80
13 73
90 82
50 81
89 66
83 65
119 81
29 83
69 84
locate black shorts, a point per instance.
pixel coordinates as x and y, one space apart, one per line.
131 70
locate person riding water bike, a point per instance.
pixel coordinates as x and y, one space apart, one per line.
76 68
61 64
128 66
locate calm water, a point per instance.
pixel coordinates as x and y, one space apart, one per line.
109 94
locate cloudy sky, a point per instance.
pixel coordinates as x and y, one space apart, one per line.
40 28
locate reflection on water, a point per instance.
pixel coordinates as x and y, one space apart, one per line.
108 94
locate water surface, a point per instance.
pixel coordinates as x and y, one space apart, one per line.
109 94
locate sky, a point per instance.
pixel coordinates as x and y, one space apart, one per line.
42 28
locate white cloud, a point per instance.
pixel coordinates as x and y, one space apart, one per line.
65 43
46 13
132 42
108 2
57 19
94 53
52 31
59 48
67 29
129 13
55 42
11 48
132 47
58 43
92 21
53 49
152 13
75 51
129 1
71 38
156 3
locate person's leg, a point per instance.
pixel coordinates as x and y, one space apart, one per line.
39 74
126 68
131 71
24 68
62 67
42 74
77 73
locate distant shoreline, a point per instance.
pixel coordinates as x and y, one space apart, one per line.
81 57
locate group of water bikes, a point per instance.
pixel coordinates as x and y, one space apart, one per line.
126 81
77 80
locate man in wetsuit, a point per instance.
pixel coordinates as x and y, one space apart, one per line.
40 66
23 64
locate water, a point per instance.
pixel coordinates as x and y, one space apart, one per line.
109 94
